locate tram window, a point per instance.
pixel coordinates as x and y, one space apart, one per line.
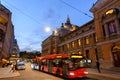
60 63
54 63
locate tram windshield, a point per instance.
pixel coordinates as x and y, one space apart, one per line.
75 63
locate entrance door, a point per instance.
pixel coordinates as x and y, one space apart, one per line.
116 58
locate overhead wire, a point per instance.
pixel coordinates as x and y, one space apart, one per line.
23 13
75 8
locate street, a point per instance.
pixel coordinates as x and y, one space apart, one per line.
29 74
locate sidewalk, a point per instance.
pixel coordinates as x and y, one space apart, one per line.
105 74
4 73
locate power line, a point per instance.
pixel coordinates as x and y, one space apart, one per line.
75 8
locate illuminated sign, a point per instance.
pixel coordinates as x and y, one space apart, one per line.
76 56
58 56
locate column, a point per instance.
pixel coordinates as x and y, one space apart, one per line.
117 26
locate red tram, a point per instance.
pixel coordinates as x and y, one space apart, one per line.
73 66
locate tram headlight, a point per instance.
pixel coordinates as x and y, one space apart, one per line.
71 73
85 72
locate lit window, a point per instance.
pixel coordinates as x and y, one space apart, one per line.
87 40
68 46
73 44
79 42
96 38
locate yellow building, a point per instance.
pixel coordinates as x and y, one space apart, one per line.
98 40
6 34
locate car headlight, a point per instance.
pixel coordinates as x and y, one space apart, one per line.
31 66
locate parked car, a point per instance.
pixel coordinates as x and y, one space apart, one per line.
20 65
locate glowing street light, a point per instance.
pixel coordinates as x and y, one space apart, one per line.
47 29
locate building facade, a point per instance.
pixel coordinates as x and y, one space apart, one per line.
50 45
107 27
15 52
98 40
6 34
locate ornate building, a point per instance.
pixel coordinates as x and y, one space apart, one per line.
50 45
107 27
6 34
98 40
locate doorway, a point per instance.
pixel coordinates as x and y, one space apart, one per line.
116 55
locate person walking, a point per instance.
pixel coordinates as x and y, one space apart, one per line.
98 66
12 68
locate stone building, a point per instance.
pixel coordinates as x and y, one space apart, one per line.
15 52
98 40
107 27
50 45
6 34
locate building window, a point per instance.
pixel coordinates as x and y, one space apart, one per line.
112 27
90 27
96 38
79 42
68 46
87 40
73 44
87 54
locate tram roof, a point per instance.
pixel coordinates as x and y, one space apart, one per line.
53 56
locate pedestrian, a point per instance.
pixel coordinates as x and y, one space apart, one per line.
12 68
98 66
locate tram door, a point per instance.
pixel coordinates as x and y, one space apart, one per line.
50 66
65 68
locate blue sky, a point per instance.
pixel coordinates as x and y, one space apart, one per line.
30 17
